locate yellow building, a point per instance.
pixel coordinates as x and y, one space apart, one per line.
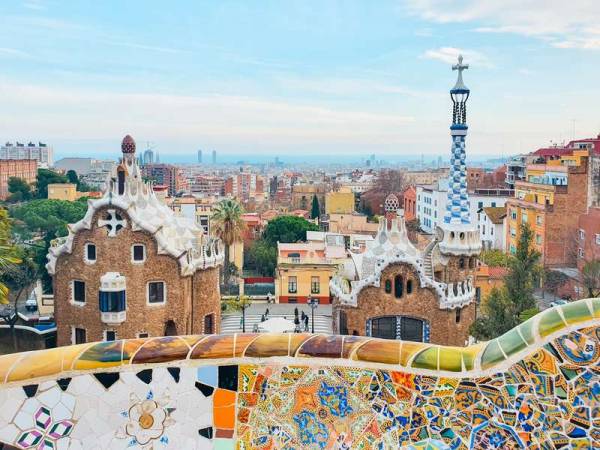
304 271
63 191
340 202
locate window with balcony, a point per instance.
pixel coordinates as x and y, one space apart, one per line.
538 239
315 285
138 253
112 301
524 218
580 253
90 253
538 220
581 235
513 231
156 292
597 239
295 257
292 285
78 289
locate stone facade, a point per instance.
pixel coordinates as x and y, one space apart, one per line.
114 301
447 327
188 299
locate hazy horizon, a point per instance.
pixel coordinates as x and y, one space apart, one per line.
322 78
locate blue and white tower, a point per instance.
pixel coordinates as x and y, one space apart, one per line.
457 235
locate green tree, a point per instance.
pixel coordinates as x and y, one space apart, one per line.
20 190
315 211
229 226
72 177
498 316
524 271
506 307
287 229
239 303
46 177
262 257
494 258
591 277
8 253
49 216
553 280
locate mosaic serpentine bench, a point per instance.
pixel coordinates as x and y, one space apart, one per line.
537 386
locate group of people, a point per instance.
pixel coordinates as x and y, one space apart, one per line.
301 323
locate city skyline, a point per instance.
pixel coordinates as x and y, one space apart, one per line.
283 79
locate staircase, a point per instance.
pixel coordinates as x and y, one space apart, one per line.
230 323
428 259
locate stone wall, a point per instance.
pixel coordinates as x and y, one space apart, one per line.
534 387
422 303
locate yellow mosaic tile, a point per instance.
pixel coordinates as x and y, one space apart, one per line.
37 364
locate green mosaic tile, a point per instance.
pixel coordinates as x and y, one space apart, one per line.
491 355
596 307
450 359
550 322
511 342
427 359
526 329
576 312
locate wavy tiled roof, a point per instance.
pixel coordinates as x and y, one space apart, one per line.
472 361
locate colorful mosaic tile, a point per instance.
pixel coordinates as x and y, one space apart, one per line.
537 386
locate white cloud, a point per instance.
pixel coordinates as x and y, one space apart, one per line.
87 114
449 55
35 5
566 24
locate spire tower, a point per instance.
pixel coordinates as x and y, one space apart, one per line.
457 234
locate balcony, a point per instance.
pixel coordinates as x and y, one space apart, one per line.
113 318
307 260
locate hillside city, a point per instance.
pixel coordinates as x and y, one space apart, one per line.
216 247
299 225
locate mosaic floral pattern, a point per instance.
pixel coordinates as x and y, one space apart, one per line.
537 386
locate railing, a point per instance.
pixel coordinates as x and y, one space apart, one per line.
308 260
113 317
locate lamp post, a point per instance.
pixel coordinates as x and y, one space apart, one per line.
313 302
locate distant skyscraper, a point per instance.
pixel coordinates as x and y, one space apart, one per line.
199 156
214 156
148 157
157 158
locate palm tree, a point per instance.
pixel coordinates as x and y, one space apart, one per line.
8 257
229 226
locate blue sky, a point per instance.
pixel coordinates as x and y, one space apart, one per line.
297 77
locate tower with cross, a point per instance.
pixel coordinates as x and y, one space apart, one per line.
460 236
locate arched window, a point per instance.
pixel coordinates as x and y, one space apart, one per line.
398 286
409 286
457 315
121 180
388 286
461 263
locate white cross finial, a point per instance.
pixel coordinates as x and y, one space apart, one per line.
460 67
112 223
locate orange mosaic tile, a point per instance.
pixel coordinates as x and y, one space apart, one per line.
213 346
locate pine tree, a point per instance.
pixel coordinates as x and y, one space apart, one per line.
506 307
315 211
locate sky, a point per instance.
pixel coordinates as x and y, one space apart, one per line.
315 78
